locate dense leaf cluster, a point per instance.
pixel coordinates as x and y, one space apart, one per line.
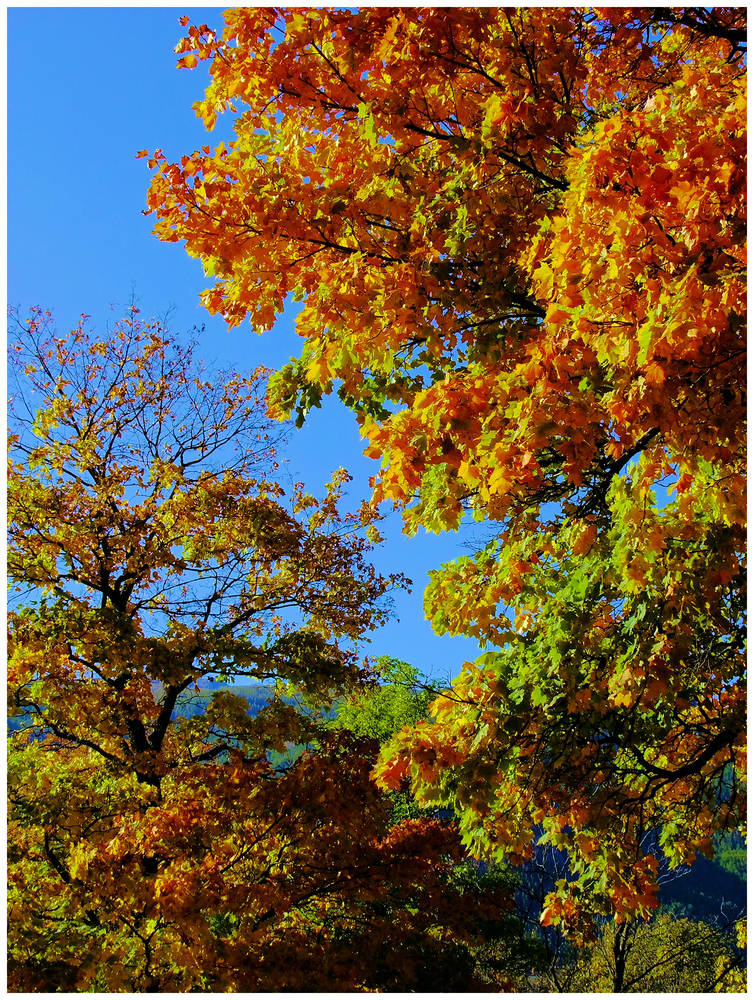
518 238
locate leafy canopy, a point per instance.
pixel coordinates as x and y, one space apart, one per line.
518 238
150 548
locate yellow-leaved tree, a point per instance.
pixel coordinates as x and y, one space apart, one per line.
150 549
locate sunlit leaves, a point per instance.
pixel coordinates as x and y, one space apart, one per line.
518 238
151 549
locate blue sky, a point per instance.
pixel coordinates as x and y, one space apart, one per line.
87 88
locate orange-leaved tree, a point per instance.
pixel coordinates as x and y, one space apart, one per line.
150 548
518 240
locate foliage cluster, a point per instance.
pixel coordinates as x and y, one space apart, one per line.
518 238
518 241
150 850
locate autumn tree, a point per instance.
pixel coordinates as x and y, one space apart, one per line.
518 241
150 547
664 955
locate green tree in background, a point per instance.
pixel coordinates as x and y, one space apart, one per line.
401 697
664 955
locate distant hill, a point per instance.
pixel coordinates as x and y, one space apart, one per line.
192 702
713 890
